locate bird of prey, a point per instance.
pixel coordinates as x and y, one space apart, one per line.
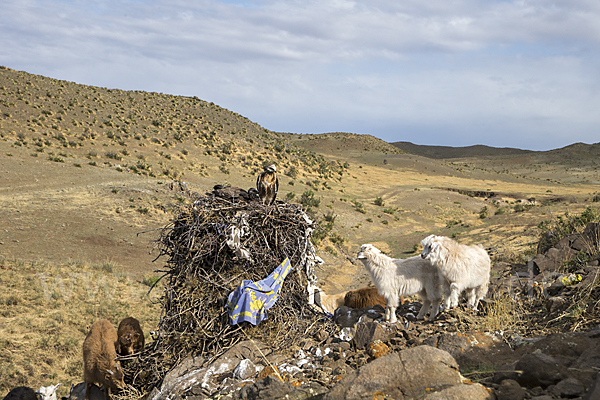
230 193
268 184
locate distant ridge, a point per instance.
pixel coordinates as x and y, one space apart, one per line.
440 152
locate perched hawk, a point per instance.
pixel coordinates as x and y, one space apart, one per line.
268 184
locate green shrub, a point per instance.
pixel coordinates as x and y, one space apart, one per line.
378 201
336 239
150 280
113 155
292 172
331 250
308 199
329 217
358 206
223 168
484 212
453 222
318 236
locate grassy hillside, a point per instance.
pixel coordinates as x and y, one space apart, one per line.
87 177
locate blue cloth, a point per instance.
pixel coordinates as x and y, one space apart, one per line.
251 300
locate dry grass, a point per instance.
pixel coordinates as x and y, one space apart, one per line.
87 169
46 311
502 314
584 311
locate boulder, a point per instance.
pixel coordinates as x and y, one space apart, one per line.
510 390
463 392
473 349
410 373
539 369
594 392
568 388
556 304
368 332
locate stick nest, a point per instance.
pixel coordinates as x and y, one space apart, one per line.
202 270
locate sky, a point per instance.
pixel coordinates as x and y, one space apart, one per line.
522 74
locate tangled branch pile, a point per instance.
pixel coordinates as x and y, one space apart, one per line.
212 244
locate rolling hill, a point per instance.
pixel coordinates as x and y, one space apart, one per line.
85 170
89 176
441 152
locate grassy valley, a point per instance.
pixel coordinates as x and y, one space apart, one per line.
88 175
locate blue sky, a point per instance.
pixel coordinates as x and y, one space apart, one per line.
520 74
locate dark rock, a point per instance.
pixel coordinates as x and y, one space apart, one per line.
536 391
555 288
548 262
595 332
592 233
542 397
588 280
556 304
273 388
594 392
472 349
580 243
567 347
410 373
454 344
510 390
505 372
539 369
569 388
367 332
565 242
